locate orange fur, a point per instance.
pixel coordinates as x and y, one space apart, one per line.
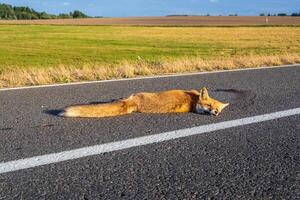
172 101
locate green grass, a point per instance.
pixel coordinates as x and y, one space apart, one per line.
43 54
48 46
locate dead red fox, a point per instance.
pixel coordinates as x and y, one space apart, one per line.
171 101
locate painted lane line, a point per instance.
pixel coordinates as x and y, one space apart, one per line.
149 77
26 163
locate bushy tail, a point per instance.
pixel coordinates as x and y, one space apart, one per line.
98 110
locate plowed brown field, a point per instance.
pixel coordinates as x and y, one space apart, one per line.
167 21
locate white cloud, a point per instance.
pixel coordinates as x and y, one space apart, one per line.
213 1
66 3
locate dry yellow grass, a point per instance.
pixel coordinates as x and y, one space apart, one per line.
13 77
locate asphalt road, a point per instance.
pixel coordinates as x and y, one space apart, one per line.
256 161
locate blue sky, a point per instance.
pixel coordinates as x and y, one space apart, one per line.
125 8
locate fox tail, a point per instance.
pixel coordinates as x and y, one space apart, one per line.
99 110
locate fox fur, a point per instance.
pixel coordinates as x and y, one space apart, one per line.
171 101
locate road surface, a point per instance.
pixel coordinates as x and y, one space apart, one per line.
251 160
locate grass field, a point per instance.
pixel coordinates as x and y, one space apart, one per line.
43 54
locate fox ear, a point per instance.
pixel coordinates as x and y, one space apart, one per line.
204 93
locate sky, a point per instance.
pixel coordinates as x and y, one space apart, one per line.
127 8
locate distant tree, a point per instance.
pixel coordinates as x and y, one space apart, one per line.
7 12
44 15
177 15
34 16
64 16
282 14
262 14
25 13
79 14
233 15
295 14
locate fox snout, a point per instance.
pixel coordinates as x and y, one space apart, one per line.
218 110
211 111
214 112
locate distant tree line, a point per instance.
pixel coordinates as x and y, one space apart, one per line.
14 12
262 14
184 15
281 14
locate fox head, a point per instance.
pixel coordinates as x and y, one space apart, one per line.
209 105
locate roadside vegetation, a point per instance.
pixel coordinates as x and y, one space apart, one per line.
44 54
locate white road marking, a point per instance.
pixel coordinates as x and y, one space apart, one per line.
26 163
146 77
